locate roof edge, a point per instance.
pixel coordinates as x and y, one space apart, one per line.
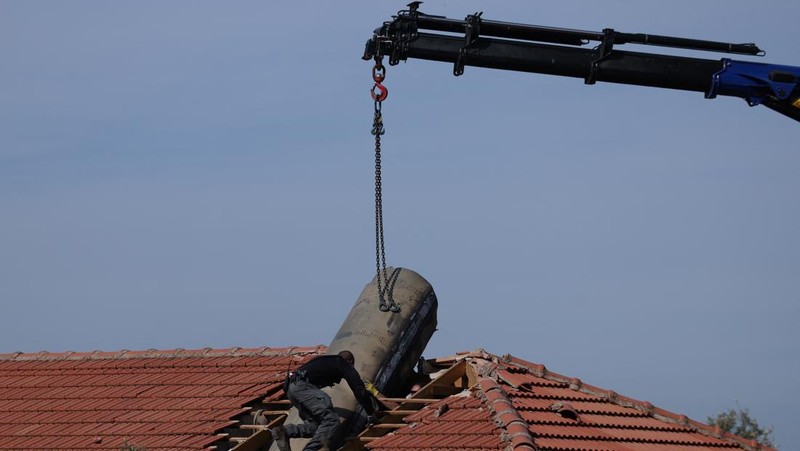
156 353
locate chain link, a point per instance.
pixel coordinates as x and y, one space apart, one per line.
379 93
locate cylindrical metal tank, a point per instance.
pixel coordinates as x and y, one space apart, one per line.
386 344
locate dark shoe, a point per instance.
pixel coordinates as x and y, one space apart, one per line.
279 435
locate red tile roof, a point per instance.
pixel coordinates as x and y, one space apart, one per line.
175 400
518 405
181 400
465 425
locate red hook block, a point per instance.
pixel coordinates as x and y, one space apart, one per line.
380 94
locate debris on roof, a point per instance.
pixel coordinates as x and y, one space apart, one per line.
519 405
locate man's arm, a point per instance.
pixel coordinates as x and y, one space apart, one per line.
357 386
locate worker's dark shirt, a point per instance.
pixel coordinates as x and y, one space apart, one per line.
327 370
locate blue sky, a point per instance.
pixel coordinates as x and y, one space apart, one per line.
178 174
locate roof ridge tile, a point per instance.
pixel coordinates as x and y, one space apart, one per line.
646 407
505 415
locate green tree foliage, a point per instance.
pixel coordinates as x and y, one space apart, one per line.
131 447
739 421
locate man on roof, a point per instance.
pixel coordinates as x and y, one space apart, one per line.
303 387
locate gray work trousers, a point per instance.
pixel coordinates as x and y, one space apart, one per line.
316 410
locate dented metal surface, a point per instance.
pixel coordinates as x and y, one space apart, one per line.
386 345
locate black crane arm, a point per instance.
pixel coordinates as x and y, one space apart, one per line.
557 51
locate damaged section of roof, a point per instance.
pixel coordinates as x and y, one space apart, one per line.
512 404
176 399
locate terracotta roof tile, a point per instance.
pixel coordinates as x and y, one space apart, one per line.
521 405
465 424
175 399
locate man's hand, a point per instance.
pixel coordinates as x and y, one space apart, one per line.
379 397
371 388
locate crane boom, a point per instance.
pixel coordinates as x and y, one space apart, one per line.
558 51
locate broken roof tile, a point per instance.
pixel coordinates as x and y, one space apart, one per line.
525 406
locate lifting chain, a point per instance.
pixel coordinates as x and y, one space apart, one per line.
379 93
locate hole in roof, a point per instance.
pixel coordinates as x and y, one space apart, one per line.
565 410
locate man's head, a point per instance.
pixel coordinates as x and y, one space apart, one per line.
347 355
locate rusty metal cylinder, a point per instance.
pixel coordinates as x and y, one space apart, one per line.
386 344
